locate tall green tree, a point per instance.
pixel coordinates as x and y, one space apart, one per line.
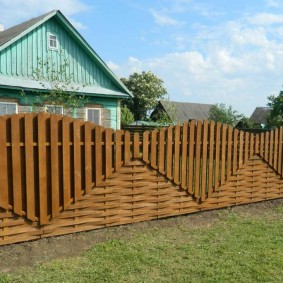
225 115
147 90
275 118
127 117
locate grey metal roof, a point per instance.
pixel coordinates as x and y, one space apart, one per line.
14 31
260 114
181 112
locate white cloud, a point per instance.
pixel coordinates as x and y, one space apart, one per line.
164 20
264 19
28 9
272 3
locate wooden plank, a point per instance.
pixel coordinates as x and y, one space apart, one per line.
247 141
145 141
87 156
257 140
153 149
98 155
252 145
241 144
217 155
280 152
176 164
161 151
43 191
136 145
235 151
4 193
275 152
261 140
77 159
169 152
29 166
204 161
191 153
266 146
223 153
271 149
184 156
108 152
229 152
16 165
211 158
198 160
127 147
66 161
118 149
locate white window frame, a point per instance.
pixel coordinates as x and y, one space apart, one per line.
49 34
12 103
48 105
93 108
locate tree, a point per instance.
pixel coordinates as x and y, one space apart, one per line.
147 89
57 85
127 117
275 118
220 113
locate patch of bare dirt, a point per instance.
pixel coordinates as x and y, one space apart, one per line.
28 254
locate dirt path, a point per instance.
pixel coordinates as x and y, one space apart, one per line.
31 253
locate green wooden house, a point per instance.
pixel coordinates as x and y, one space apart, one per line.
52 38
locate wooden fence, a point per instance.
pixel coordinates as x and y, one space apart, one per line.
59 175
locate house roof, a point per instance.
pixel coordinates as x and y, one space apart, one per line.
14 33
260 114
180 112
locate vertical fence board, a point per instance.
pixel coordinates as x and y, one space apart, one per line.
127 147
247 140
145 138
66 161
241 149
54 119
271 143
16 165
169 153
161 149
223 154
184 156
229 152
136 145
266 146
191 154
153 146
261 140
211 159
217 155
204 161
235 150
118 149
257 140
4 194
198 160
43 190
77 158
177 154
108 152
29 166
252 145
275 152
280 145
98 155
87 156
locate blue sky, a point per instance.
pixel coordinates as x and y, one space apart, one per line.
213 51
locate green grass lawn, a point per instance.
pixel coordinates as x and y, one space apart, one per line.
238 247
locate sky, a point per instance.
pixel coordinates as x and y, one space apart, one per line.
205 51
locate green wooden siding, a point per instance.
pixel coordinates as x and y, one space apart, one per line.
20 59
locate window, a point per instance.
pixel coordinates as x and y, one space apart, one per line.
54 109
8 108
93 115
52 41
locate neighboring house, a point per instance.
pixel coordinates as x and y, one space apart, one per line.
52 37
259 116
180 112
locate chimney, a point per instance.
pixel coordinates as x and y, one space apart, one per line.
2 28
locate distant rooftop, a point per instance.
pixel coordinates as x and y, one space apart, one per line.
260 114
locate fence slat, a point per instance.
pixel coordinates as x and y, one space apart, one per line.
16 165
235 151
184 156
177 154
266 146
223 154
198 160
280 171
275 158
211 159
118 151
153 146
261 140
161 151
271 141
217 155
4 193
66 161
108 152
191 154
241 144
204 161
252 145
136 145
98 155
169 153
257 140
43 191
229 152
29 165
77 159
145 139
247 140
127 147
87 156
